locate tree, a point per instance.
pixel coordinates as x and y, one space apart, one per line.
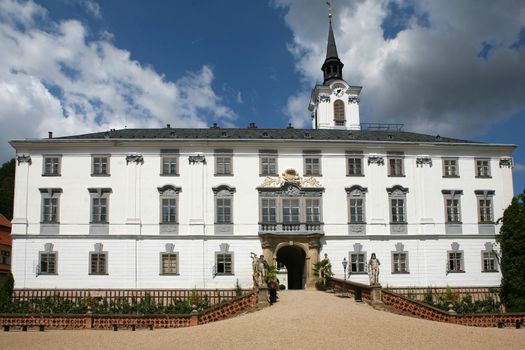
512 243
7 188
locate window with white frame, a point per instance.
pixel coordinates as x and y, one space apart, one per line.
169 261
312 163
313 211
224 260
268 210
455 259
397 198
489 262
169 162
485 206
100 165
452 206
51 165
482 167
268 162
450 167
98 261
354 163
223 204
400 259
169 204
50 205
223 162
356 204
47 260
99 205
291 211
357 260
396 163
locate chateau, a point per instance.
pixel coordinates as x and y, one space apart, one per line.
184 208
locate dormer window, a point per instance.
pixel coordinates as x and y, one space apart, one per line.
339 113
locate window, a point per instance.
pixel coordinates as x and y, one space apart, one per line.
98 261
395 164
455 259
48 263
169 263
398 211
354 163
399 259
312 163
268 162
450 167
291 211
339 113
169 209
489 261
223 162
269 210
99 165
452 211
357 260
313 215
50 205
5 257
99 210
485 206
52 165
169 159
455 262
356 204
398 215
482 167
224 260
223 208
47 260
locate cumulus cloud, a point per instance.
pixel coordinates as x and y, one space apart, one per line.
52 77
453 69
93 8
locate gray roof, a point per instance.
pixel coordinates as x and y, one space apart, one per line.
266 134
331 48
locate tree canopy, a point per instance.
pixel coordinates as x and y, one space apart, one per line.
7 188
512 243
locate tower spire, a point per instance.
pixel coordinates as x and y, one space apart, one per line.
332 67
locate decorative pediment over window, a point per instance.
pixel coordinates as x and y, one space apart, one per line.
98 247
223 190
400 247
170 247
423 160
455 246
356 191
48 247
397 190
489 246
290 177
169 190
224 247
358 247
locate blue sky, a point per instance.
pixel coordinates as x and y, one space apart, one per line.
80 65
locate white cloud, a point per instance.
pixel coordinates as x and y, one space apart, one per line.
55 79
93 8
429 76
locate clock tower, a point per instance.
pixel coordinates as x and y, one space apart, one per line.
335 103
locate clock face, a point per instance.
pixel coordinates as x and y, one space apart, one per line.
339 92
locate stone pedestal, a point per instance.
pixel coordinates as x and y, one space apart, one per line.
376 299
263 297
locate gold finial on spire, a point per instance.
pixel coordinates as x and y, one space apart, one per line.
329 3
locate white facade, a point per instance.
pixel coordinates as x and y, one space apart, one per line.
135 240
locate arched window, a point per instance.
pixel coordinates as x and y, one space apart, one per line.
339 112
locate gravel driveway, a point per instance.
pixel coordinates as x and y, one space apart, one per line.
300 320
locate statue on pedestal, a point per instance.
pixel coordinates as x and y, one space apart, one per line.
373 270
260 270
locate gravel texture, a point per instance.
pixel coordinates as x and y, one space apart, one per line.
300 320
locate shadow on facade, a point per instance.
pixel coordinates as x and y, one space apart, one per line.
294 258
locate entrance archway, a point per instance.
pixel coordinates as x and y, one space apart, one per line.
294 258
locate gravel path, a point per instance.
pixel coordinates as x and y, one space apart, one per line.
300 320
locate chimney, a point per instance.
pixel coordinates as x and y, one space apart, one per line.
252 126
50 134
168 126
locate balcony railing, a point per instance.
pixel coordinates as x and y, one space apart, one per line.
291 228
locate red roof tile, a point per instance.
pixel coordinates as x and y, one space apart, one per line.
4 222
5 238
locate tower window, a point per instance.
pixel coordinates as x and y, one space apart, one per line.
339 112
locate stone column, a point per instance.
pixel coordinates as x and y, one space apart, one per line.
133 162
313 252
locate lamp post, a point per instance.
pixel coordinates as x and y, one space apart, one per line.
345 264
